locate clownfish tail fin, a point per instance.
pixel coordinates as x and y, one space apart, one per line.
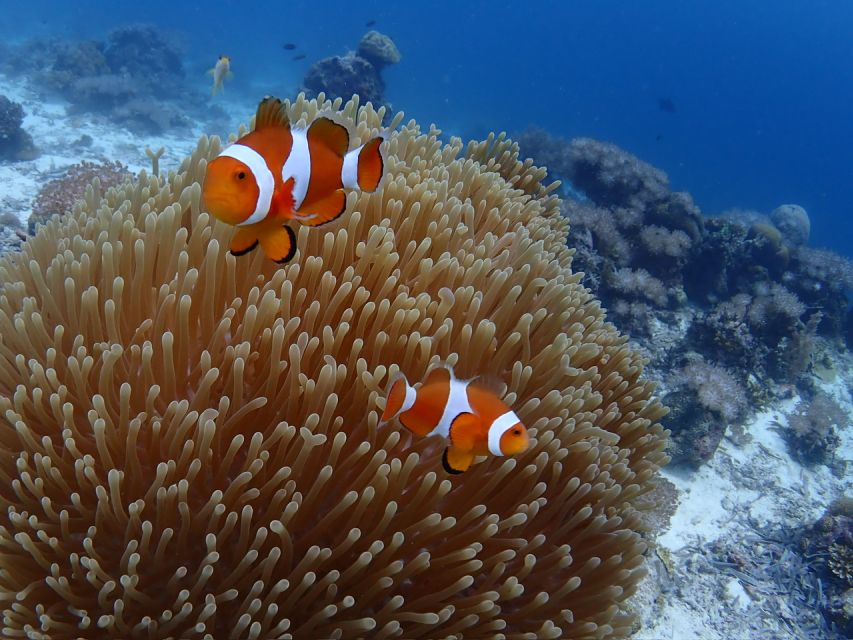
364 166
399 391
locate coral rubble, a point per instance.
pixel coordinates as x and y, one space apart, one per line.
59 196
191 444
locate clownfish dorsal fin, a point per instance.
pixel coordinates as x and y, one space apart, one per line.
463 431
271 113
329 133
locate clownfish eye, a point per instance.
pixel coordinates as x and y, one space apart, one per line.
241 175
516 432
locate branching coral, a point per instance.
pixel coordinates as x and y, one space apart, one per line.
190 443
59 196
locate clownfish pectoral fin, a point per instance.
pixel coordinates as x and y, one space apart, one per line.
243 241
329 208
395 398
455 460
279 243
330 134
463 431
271 113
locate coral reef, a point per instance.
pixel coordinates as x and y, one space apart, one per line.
812 429
822 279
15 143
378 49
706 400
741 289
135 76
829 547
793 223
59 196
191 444
354 73
636 233
345 75
148 56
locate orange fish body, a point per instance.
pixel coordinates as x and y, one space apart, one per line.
276 174
473 419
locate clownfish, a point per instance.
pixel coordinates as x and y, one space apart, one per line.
471 416
221 71
277 173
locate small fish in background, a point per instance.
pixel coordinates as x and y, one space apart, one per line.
288 46
470 415
666 105
370 23
220 72
301 56
276 174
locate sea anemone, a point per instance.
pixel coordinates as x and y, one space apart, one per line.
190 443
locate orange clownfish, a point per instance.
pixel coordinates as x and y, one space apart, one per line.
277 173
473 418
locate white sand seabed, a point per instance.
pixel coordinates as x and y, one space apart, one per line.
746 485
57 136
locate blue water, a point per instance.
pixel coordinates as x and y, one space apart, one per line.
763 90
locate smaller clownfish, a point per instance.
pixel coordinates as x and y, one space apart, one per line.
220 72
475 421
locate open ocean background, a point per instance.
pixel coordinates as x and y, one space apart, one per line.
763 91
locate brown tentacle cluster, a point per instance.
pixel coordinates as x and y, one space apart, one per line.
189 441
